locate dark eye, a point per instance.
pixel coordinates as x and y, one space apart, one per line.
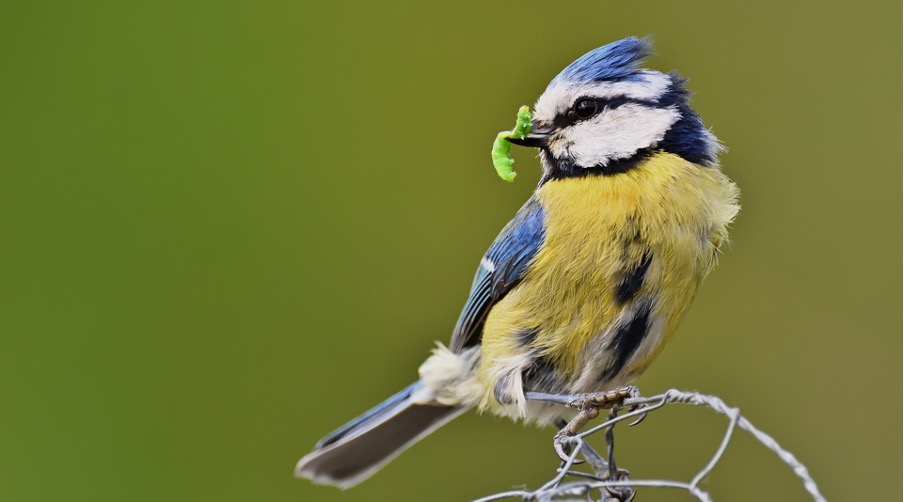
585 108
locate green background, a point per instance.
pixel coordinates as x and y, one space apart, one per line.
229 227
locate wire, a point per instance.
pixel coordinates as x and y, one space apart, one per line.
557 488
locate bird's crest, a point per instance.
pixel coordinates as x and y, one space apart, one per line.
616 61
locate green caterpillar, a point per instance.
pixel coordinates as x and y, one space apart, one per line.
502 149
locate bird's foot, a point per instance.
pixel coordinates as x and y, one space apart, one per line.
590 405
563 441
609 399
602 400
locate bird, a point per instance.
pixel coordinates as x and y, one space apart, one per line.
583 287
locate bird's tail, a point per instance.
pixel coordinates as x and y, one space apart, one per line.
358 449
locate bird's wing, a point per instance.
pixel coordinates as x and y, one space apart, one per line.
501 268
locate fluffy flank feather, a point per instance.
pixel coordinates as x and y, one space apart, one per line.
449 378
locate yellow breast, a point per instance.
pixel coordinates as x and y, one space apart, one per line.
597 228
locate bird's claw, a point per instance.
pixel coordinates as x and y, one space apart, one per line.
635 393
562 442
641 417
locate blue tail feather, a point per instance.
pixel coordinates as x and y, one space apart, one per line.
359 448
391 402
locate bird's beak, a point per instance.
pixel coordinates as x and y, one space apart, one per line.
538 136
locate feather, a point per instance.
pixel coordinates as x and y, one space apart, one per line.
501 268
360 448
615 61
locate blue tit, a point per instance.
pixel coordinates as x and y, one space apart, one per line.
582 288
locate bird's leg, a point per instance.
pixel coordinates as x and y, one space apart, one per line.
600 400
588 406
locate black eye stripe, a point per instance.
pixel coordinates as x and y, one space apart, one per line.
569 118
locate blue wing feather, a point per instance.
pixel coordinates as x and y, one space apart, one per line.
503 266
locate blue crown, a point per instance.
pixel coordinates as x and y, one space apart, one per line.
616 61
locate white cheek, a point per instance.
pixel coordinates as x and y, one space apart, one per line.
615 134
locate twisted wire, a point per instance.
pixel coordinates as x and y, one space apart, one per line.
557 488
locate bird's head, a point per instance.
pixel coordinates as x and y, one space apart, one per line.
603 114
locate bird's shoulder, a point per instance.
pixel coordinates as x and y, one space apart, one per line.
501 268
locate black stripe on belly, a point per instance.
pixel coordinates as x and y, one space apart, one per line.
628 338
632 280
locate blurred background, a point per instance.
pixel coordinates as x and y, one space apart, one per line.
230 227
